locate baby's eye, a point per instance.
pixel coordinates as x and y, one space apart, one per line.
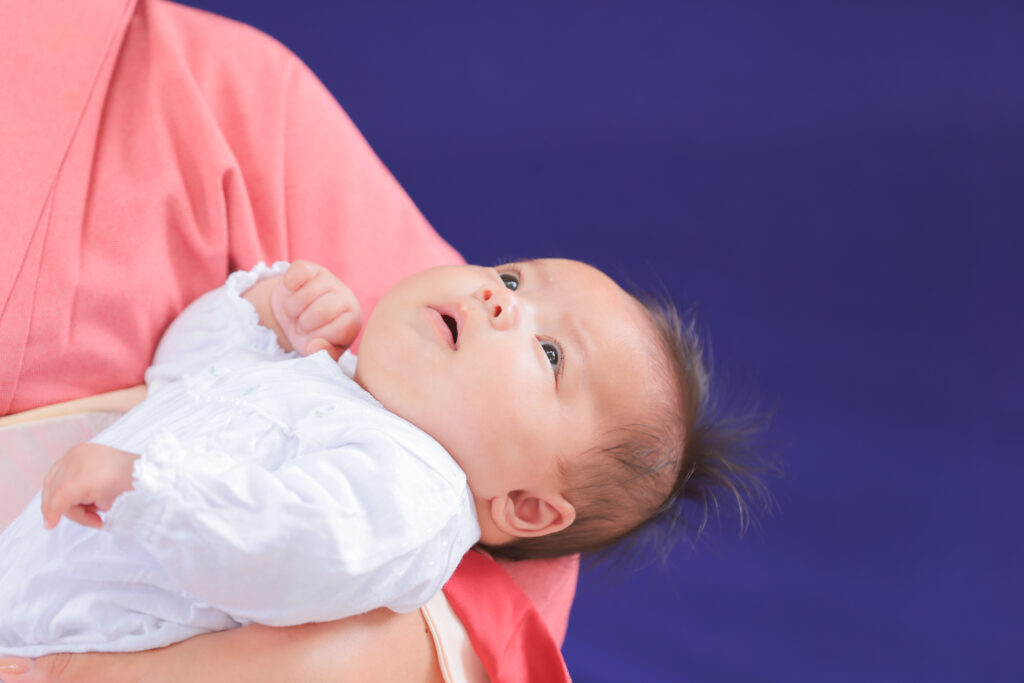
511 280
553 353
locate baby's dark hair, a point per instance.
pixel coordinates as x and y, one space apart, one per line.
631 490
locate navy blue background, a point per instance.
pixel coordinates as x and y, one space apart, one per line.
840 189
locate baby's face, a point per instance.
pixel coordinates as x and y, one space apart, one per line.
511 369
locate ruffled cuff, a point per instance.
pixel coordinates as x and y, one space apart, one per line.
140 512
238 283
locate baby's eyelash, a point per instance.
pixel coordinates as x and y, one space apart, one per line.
561 355
512 270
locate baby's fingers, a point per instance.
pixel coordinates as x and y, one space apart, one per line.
299 273
50 505
334 316
60 493
297 299
336 336
320 344
57 498
85 515
51 515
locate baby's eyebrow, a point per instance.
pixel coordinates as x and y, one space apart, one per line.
514 261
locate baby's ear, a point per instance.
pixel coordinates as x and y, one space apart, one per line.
523 514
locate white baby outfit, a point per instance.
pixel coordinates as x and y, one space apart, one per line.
271 488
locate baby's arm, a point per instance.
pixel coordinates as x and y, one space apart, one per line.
308 308
339 530
240 316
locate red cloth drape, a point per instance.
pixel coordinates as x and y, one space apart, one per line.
507 631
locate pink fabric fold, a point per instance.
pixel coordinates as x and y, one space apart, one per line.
513 642
147 150
167 146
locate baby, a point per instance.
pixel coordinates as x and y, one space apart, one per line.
535 408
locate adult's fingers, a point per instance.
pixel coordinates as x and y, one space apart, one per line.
15 669
51 668
82 668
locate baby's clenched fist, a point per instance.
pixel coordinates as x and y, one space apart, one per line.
316 310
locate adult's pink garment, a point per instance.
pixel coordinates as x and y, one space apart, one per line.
147 149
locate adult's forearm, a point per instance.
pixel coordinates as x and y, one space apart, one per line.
378 646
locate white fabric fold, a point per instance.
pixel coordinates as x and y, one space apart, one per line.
270 488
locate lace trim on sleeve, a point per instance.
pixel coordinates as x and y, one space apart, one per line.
238 283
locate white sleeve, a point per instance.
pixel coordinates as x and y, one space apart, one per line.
329 535
214 324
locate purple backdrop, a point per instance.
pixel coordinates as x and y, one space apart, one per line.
840 188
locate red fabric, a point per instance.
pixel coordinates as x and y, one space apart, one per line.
551 585
507 631
147 149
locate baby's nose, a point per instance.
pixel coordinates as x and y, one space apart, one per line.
500 305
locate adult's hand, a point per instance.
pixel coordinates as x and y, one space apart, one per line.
377 646
113 668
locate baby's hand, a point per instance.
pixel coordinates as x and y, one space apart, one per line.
86 480
316 310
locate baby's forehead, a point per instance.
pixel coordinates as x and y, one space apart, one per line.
630 374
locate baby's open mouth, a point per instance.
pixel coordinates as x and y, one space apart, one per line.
452 327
